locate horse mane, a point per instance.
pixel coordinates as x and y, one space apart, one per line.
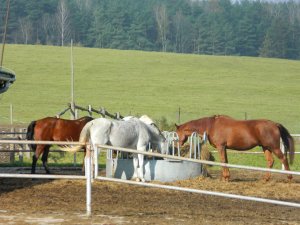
146 119
86 117
221 116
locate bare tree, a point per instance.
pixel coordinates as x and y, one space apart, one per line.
178 23
63 21
162 25
84 4
47 27
26 29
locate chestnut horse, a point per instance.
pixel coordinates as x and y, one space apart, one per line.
52 129
227 133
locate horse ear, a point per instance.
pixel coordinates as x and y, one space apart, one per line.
176 126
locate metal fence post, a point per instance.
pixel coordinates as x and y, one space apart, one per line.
282 148
96 162
88 174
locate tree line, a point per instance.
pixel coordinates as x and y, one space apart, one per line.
213 27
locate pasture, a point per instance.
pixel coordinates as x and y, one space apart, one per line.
152 83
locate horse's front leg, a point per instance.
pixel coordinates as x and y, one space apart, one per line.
223 156
270 162
141 167
135 167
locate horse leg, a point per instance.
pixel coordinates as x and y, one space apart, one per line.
270 162
33 165
83 163
135 167
45 158
283 160
224 159
35 157
141 167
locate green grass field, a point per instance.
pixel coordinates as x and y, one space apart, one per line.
157 84
152 83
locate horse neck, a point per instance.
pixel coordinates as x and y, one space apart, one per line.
204 125
155 134
85 119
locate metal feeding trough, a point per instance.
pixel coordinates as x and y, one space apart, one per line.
7 78
164 170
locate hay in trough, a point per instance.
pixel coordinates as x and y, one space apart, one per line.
205 154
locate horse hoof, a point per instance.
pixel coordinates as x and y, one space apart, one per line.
137 179
225 179
267 178
143 180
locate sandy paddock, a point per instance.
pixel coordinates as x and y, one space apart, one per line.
27 201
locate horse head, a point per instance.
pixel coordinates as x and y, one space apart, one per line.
182 135
160 140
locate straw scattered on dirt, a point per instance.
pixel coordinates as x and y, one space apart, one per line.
63 201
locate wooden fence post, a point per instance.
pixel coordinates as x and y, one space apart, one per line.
12 147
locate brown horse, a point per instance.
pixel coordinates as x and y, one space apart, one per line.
52 129
227 133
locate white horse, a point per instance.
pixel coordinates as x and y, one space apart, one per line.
132 133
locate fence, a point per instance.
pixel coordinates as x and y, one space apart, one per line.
88 175
73 108
7 152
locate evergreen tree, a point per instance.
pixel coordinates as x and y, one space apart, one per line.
219 27
276 41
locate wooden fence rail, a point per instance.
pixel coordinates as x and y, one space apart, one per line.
89 109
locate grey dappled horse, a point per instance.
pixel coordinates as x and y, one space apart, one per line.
133 133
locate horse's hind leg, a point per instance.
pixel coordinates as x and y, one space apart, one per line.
45 158
33 165
283 160
224 159
38 151
270 162
138 164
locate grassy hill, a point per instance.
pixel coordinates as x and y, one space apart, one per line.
157 84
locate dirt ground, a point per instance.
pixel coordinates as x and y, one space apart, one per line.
40 201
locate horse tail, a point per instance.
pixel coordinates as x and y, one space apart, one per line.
288 142
30 134
84 137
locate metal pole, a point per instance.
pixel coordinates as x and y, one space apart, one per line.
282 148
72 83
179 115
213 193
11 114
5 31
12 146
96 162
88 175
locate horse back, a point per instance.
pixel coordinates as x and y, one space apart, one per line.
43 129
69 130
245 134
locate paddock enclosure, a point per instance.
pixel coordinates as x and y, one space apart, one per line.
63 201
42 201
51 201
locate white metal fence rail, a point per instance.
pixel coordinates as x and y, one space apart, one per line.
88 175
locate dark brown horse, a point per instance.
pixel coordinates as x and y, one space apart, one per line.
52 129
227 133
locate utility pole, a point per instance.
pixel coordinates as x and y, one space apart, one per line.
5 31
72 84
